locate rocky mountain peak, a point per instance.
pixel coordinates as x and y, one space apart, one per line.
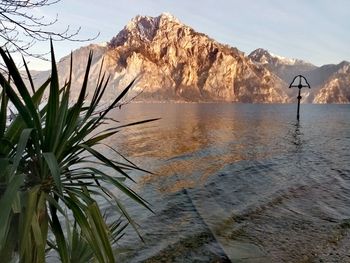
285 68
167 17
144 28
178 63
263 56
344 66
260 55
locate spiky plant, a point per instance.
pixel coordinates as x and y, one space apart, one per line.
50 170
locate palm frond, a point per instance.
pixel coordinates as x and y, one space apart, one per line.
51 164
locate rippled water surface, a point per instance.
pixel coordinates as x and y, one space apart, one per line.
239 182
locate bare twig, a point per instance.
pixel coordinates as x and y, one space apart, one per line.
21 28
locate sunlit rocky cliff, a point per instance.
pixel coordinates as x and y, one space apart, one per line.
178 63
173 62
336 89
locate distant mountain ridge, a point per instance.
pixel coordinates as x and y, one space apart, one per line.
330 83
173 62
285 68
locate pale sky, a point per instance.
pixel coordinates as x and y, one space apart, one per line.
317 31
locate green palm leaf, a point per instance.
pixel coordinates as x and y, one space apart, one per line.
51 170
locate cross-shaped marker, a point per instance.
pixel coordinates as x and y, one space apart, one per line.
299 86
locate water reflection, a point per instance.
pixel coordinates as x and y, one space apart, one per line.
297 137
235 178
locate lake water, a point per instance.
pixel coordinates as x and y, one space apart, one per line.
239 182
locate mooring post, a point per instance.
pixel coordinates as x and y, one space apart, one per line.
299 86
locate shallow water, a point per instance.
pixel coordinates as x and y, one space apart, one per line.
239 182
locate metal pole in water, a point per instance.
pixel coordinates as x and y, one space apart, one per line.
299 86
299 98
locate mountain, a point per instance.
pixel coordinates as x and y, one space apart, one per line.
173 62
285 68
329 83
336 89
80 57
